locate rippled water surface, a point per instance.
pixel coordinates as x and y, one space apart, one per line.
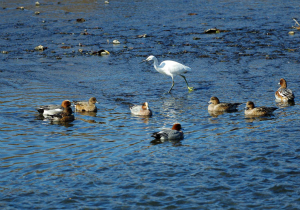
109 160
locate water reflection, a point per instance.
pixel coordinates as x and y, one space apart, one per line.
215 113
84 120
173 106
41 117
175 143
218 113
144 119
282 104
91 114
66 124
259 118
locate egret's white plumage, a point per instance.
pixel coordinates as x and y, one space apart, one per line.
170 68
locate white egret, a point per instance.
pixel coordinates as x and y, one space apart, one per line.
170 68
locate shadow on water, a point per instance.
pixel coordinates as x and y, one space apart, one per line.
144 119
40 117
174 143
218 113
259 118
91 114
285 104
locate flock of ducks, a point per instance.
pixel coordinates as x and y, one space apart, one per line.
64 113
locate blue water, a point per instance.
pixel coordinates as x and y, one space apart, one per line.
109 160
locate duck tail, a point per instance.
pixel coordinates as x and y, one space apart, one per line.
156 135
40 110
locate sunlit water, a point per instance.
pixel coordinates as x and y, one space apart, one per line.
109 160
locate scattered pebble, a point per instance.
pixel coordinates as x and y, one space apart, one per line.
40 48
21 8
4 52
212 31
104 52
37 3
192 14
37 13
291 33
80 20
65 47
142 36
116 42
106 2
100 52
291 50
85 32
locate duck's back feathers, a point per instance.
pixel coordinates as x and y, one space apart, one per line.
283 93
258 111
142 110
53 109
266 109
170 134
65 116
88 106
50 109
224 107
216 106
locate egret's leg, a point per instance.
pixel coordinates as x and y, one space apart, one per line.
172 85
190 88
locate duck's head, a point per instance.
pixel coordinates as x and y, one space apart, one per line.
282 83
214 100
177 127
145 106
249 105
93 100
66 103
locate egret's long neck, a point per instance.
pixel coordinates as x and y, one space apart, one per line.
155 63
